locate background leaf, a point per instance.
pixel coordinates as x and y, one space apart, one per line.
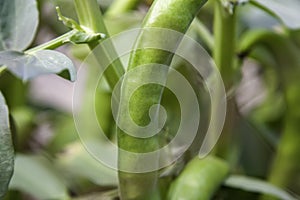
285 10
34 175
27 66
18 24
6 149
75 161
256 185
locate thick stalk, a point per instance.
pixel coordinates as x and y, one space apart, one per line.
170 14
225 59
91 18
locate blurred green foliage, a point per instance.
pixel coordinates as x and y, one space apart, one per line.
266 138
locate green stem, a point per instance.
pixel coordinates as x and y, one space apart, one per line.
225 59
176 15
121 6
225 42
90 17
53 44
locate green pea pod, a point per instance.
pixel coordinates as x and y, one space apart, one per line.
199 179
175 15
286 55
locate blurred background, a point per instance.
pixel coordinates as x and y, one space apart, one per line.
51 162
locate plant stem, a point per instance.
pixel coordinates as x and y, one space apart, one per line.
91 18
225 59
225 42
176 15
53 44
121 6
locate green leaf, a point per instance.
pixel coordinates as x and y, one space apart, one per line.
287 11
6 148
256 185
27 66
75 161
18 24
34 175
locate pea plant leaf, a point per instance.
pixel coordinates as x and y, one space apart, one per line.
256 185
6 148
76 161
27 66
35 176
18 24
286 11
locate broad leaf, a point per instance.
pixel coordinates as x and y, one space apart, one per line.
286 11
34 175
6 148
18 23
75 161
256 185
27 66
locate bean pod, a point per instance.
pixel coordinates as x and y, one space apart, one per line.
199 179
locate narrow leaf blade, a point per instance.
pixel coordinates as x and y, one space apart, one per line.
256 185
